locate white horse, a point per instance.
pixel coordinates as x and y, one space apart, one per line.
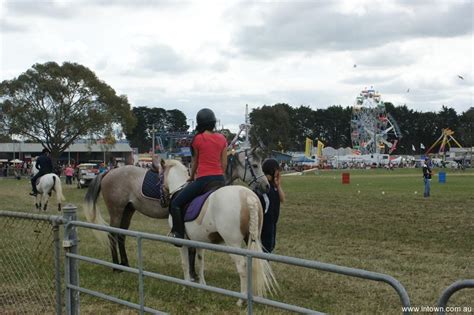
232 215
45 186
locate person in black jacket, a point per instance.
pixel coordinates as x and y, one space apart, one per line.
427 177
45 166
271 201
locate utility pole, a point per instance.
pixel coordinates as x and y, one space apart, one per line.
153 141
247 126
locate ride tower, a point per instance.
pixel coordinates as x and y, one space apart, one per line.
373 130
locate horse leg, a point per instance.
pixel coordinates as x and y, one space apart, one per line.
46 199
113 237
113 250
200 259
38 203
192 263
185 262
125 224
241 265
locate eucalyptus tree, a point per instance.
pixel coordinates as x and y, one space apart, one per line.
57 104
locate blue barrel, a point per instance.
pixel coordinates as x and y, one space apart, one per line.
442 177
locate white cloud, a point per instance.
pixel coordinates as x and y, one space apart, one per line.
223 55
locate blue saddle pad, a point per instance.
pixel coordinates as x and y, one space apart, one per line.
195 206
151 186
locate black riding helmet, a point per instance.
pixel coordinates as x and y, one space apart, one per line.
205 117
269 167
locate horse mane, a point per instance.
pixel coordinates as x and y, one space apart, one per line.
174 163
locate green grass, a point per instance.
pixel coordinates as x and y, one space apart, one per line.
426 244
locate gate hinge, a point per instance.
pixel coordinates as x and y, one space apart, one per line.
69 243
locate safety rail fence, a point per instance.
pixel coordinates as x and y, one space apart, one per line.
30 263
449 291
71 272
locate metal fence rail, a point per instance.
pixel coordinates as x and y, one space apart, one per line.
71 274
30 266
353 272
453 288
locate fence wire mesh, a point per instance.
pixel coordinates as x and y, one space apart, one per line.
27 281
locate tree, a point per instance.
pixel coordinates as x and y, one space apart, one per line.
55 105
466 128
272 126
141 136
229 135
303 127
175 121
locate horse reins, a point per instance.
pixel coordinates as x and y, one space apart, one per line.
255 178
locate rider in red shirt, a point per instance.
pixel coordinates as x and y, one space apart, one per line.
209 161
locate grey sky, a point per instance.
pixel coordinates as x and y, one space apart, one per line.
225 54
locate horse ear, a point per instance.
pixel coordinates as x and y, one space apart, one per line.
158 163
257 151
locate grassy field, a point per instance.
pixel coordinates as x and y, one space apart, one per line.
379 222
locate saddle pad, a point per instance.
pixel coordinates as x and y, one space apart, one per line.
194 208
151 186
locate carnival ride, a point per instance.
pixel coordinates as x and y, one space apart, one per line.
373 130
444 141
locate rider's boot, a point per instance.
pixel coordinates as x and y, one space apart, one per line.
34 192
177 231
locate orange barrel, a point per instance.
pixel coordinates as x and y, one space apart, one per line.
346 178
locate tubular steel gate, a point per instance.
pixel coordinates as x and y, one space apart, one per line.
26 286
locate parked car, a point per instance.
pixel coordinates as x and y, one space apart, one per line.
86 173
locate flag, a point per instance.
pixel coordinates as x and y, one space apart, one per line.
320 149
422 146
308 147
413 147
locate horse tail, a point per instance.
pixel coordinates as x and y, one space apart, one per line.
91 212
263 278
58 188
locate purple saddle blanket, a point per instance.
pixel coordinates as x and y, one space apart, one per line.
195 206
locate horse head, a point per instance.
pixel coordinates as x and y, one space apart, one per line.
175 175
246 164
157 164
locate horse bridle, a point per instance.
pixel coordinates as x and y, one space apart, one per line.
164 193
247 164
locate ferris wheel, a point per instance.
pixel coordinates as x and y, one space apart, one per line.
373 130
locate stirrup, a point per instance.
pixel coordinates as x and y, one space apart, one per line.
175 235
34 194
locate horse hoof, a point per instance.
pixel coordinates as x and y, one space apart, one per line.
240 303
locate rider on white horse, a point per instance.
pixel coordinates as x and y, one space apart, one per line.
45 166
209 162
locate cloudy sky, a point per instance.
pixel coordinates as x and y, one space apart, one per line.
225 54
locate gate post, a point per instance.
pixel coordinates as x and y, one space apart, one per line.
71 270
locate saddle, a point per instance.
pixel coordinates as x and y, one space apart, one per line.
193 209
38 180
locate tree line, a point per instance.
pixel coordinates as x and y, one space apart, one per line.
57 104
282 127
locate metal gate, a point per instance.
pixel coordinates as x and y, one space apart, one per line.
73 288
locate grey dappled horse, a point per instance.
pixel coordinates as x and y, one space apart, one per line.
121 191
